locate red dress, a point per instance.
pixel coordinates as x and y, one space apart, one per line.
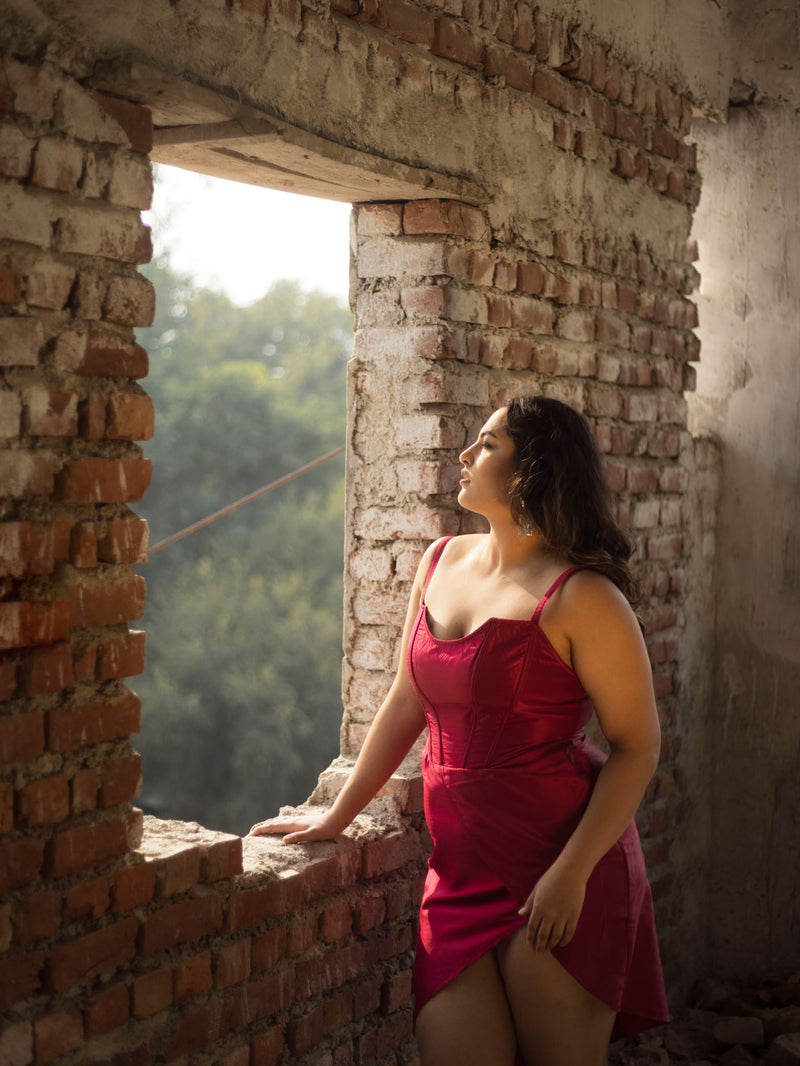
508 773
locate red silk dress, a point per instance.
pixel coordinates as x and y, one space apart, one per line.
508 773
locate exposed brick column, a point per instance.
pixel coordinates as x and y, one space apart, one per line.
75 175
453 318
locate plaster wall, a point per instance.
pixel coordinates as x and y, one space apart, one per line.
748 384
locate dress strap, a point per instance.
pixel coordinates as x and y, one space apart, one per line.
559 581
440 547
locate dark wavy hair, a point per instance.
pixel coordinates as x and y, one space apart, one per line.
559 487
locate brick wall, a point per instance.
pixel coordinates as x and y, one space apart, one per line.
127 941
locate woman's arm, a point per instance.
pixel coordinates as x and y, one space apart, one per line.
394 729
610 658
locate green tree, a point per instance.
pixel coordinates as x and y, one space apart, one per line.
241 697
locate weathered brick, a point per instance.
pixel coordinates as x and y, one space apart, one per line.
93 229
406 21
107 604
26 624
191 977
134 886
20 341
20 976
69 728
445 216
56 1034
25 216
151 993
120 780
121 656
132 120
87 899
21 737
86 845
267 1048
101 355
455 41
57 164
130 417
37 916
51 412
175 924
15 152
130 301
43 801
16 1044
108 1010
131 182
103 480
48 284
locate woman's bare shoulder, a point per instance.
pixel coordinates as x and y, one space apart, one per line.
589 591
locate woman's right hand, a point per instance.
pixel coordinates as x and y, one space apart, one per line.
297 828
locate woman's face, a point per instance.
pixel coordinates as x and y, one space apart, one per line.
487 467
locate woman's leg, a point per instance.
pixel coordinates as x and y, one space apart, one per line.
557 1022
468 1022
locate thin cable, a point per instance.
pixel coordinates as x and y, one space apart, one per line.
244 499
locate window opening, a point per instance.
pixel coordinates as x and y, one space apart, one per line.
241 697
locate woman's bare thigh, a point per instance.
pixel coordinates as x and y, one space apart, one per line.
557 1021
468 1022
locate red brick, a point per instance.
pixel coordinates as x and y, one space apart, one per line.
177 870
21 737
192 977
445 216
107 355
124 541
579 66
530 278
268 949
267 1048
152 992
121 656
87 899
366 999
194 1031
87 845
108 1010
6 807
519 352
56 1034
453 40
20 976
551 88
406 21
337 1012
686 155
130 417
136 121
43 801
306 1032
88 956
134 886
83 545
513 68
396 992
120 780
180 922
92 416
130 301
249 907
337 922
10 292
664 142
675 185
107 604
46 669
389 853
16 1044
644 94
233 964
37 917
629 128
70 728
26 624
220 858
103 480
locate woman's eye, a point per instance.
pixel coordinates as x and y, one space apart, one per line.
488 447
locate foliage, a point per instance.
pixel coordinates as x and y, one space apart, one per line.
241 696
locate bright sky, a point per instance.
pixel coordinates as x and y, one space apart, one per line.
240 238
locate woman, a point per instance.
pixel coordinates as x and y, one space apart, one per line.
536 928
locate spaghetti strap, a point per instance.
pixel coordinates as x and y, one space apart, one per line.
440 547
553 588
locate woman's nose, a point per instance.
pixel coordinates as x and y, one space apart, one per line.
465 458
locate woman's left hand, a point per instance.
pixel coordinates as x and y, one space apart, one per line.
554 908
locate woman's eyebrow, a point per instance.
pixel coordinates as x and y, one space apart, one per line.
487 433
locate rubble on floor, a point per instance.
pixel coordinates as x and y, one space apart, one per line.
724 1025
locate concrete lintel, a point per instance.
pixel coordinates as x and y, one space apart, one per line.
201 130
